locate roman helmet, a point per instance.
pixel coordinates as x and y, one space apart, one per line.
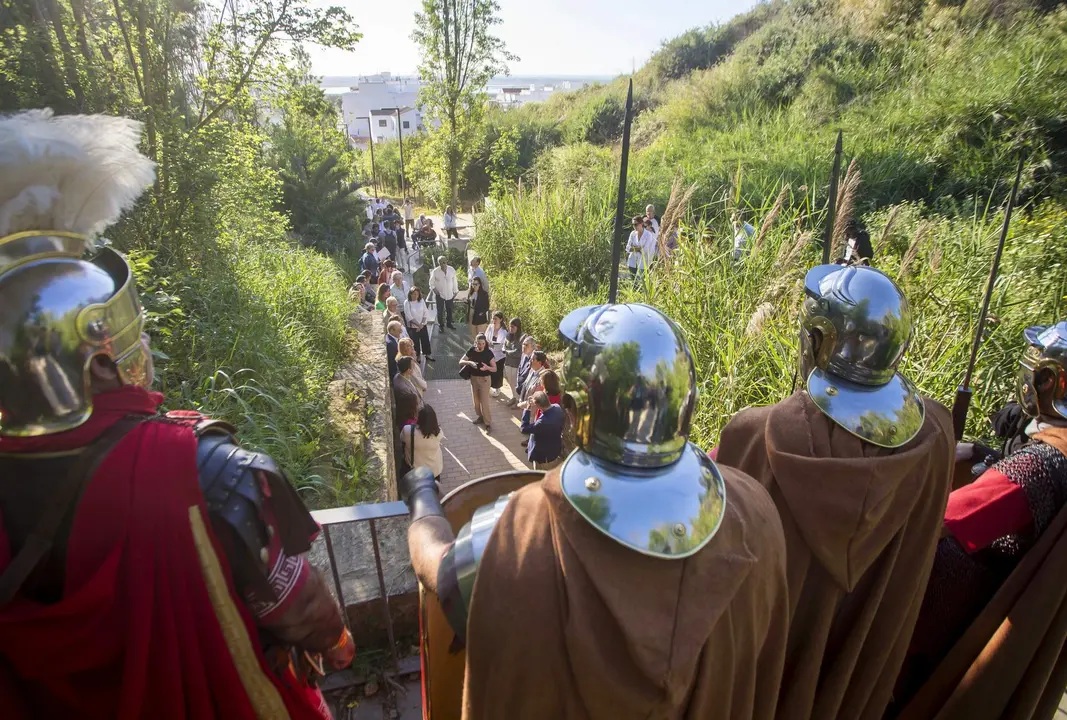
634 474
66 298
855 325
1042 387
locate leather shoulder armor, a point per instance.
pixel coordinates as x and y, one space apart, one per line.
229 482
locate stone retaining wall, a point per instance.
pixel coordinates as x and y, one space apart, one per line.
365 378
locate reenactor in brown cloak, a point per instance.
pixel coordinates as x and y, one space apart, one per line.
859 465
637 580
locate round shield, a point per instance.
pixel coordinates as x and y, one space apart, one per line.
444 663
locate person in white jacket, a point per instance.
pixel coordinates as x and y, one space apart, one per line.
444 284
450 222
418 315
640 248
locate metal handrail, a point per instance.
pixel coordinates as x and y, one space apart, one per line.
370 513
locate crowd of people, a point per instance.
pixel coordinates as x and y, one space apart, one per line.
500 353
386 228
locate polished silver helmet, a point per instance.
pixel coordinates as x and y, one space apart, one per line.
59 311
855 325
63 300
1042 387
634 475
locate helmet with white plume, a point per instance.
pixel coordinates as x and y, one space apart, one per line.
66 298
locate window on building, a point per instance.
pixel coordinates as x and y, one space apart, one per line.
407 124
381 123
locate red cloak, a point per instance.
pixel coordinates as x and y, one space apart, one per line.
150 624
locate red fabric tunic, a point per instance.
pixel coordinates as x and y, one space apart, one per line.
143 628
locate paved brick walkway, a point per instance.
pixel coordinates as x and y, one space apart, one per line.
469 452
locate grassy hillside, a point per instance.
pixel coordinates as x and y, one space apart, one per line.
936 100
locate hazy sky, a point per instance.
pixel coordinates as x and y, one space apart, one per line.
551 37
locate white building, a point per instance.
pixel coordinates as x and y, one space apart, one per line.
377 97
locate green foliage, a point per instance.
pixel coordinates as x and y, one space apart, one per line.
248 325
504 167
935 102
459 56
322 206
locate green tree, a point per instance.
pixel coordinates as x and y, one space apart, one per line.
504 167
459 56
322 204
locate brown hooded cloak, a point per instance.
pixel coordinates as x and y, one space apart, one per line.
567 623
861 523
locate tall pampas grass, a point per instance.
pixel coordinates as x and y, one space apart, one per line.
73 173
913 250
883 240
846 204
770 219
673 213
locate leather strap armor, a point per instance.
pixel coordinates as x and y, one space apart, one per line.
230 486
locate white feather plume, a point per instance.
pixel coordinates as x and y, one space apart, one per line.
73 173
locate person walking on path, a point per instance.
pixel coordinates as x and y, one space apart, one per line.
368 261
477 307
546 433
652 218
418 315
640 248
497 335
443 282
392 307
450 223
512 358
409 215
387 238
475 270
480 364
427 436
742 232
401 243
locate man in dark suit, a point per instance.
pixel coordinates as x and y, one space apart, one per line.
546 433
528 347
392 346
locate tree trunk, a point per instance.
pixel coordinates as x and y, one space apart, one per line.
77 7
453 159
71 65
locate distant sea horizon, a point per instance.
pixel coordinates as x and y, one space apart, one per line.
344 81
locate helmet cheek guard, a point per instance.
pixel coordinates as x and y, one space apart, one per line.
1044 357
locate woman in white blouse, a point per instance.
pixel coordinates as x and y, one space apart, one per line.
497 335
422 442
640 248
418 315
